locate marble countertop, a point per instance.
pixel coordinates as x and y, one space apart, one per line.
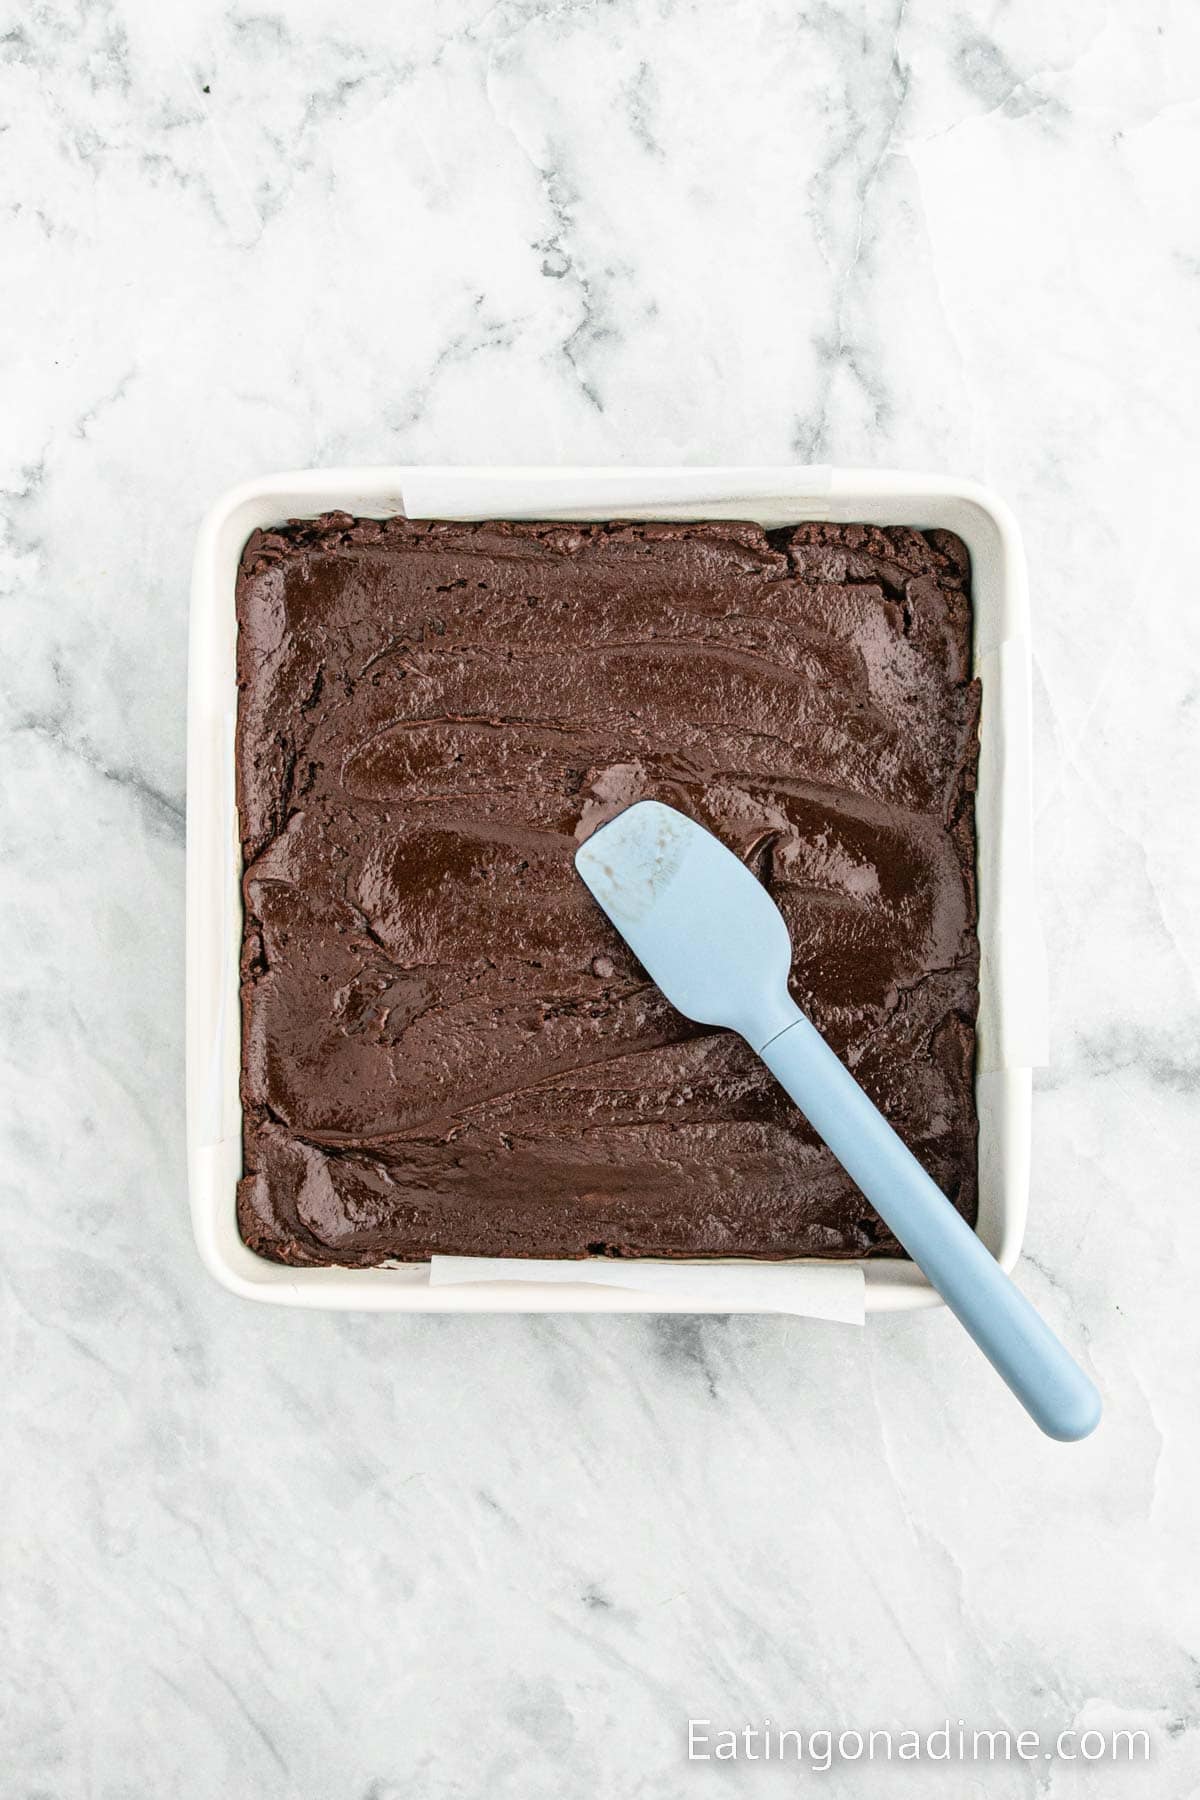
250 1552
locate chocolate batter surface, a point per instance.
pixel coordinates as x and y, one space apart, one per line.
445 1045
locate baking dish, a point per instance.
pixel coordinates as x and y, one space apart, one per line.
1012 977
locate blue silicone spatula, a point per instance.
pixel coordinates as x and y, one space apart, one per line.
708 933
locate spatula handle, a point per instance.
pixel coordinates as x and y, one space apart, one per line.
1015 1339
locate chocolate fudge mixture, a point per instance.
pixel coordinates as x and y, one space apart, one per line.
445 1045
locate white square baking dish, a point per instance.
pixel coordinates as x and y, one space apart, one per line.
1012 981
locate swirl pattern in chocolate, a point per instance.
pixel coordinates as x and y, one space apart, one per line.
446 1048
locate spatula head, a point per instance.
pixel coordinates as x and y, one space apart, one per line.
704 929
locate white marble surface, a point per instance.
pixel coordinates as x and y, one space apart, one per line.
258 1554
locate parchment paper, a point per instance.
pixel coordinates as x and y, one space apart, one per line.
835 1291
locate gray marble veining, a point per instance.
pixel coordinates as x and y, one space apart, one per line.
250 1553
